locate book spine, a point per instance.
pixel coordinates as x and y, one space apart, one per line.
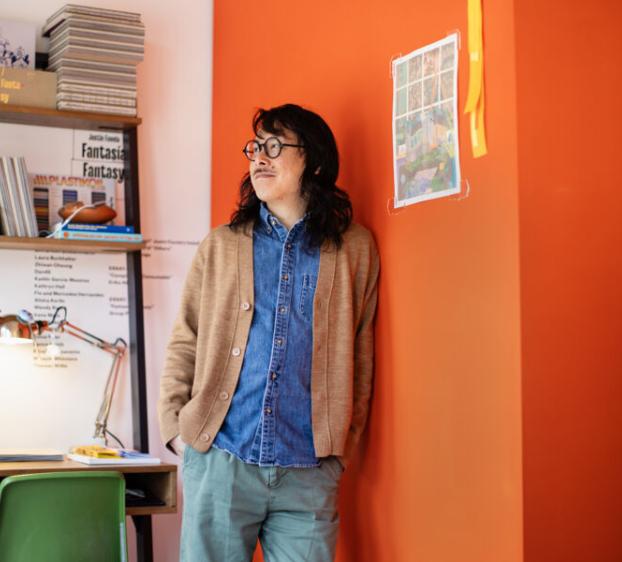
99 236
98 55
86 21
58 42
13 207
107 228
6 224
96 108
34 88
96 99
84 85
101 35
64 63
97 75
25 197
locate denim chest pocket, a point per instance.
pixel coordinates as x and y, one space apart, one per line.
306 295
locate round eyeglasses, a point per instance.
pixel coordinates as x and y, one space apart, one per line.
272 148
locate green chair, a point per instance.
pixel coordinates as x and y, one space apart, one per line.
63 517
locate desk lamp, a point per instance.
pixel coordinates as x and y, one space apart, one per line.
22 328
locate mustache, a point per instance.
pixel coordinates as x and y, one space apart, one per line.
263 171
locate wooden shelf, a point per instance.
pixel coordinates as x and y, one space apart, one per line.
44 117
14 243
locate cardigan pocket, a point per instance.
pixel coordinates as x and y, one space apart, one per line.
307 293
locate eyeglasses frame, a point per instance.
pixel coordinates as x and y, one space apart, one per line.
262 144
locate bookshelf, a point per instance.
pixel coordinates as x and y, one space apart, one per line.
31 116
14 243
91 121
23 115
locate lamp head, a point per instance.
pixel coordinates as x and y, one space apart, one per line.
19 328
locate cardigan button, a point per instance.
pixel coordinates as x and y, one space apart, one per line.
235 351
224 395
205 437
245 306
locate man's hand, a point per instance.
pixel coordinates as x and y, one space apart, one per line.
178 446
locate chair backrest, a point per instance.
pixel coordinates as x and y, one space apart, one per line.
63 516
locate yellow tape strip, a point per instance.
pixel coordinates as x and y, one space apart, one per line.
478 130
475 54
475 97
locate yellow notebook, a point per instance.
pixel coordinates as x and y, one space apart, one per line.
96 451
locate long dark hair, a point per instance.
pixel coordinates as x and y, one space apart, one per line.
329 208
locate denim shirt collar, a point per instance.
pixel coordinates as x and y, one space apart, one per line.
272 225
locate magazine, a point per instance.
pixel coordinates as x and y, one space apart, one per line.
53 192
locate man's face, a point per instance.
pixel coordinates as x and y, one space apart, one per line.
277 180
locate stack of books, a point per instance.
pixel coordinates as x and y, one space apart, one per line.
17 212
94 52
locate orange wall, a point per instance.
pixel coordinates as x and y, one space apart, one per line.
569 56
439 475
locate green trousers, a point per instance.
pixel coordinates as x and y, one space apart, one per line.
229 505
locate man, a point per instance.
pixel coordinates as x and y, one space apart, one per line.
269 368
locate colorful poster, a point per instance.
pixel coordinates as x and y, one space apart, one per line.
52 192
425 126
17 44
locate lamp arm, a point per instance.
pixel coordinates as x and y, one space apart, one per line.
117 349
104 410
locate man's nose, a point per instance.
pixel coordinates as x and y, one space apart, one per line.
261 157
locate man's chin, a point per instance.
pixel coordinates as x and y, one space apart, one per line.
263 191
262 195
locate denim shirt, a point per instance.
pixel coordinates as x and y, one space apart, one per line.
269 420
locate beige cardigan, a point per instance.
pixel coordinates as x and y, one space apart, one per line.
206 349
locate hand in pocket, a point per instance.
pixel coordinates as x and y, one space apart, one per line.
178 446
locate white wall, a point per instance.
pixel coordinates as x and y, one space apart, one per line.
174 101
